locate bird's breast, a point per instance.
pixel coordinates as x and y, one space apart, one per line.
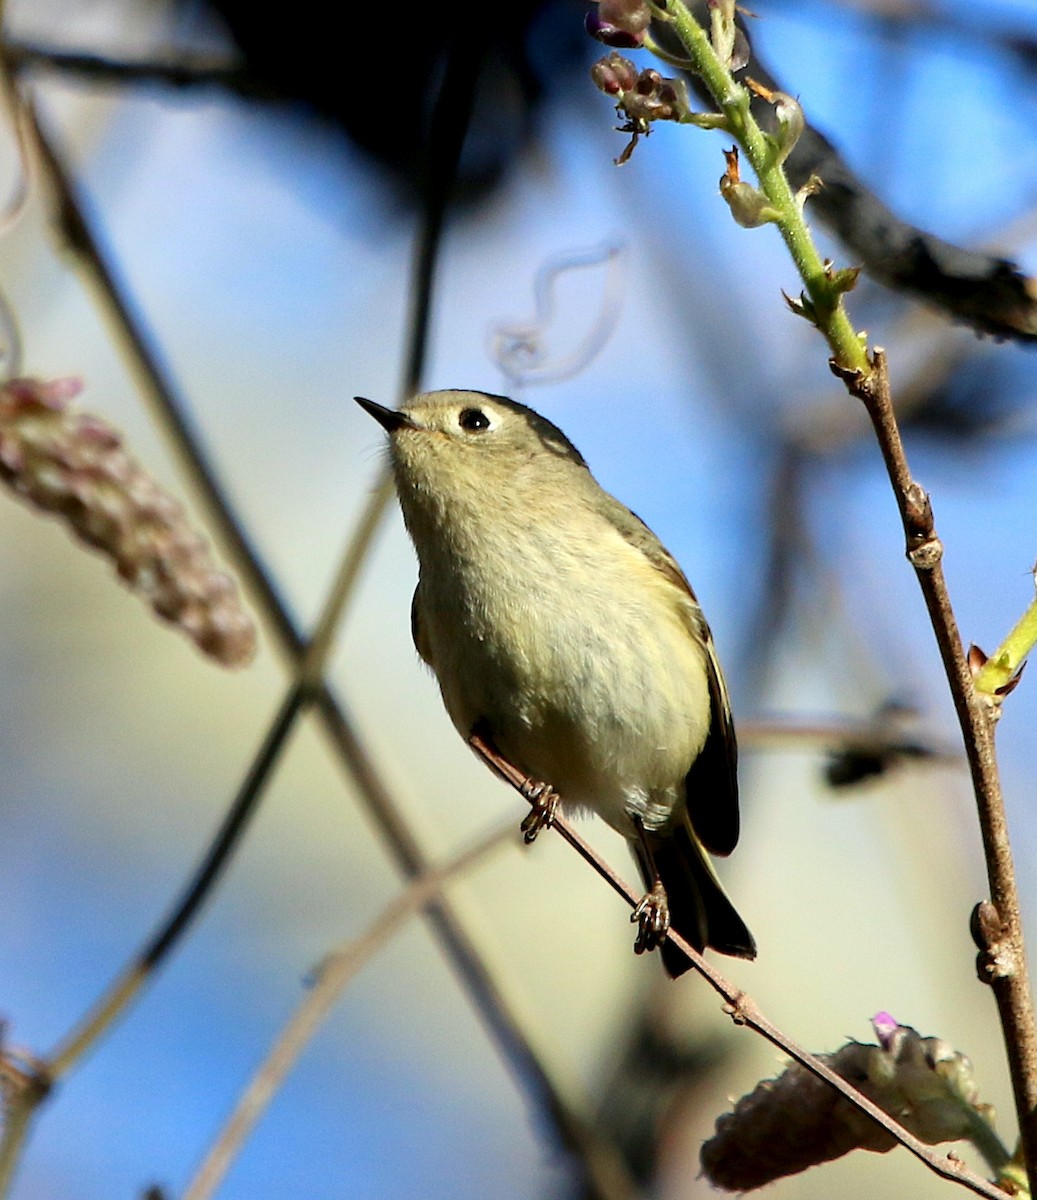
578 655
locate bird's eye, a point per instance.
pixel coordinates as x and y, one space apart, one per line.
474 420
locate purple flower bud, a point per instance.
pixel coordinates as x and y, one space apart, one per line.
614 74
620 23
885 1026
611 35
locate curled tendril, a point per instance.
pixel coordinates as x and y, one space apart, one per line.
10 341
521 350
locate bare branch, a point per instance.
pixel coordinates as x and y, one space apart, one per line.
880 737
334 974
187 72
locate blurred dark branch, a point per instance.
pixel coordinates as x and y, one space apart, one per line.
998 928
742 1009
447 133
877 737
184 72
985 291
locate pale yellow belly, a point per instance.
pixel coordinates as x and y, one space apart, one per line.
611 711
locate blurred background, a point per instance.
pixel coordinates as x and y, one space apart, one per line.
263 225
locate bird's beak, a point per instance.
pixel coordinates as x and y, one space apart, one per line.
389 419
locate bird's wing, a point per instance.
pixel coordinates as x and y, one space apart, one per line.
711 786
417 631
712 782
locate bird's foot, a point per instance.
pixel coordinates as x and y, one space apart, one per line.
544 800
652 917
541 796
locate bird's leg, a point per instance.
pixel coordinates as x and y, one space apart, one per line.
652 913
543 798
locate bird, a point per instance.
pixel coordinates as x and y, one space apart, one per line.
568 645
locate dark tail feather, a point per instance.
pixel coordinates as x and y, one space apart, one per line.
699 908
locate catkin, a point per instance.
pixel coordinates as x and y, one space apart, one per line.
74 465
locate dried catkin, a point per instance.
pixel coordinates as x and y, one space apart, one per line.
74 465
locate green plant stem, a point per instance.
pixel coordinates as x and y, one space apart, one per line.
733 100
1000 935
1007 660
984 1137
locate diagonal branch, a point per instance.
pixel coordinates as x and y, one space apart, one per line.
333 976
997 925
189 71
742 1009
601 1161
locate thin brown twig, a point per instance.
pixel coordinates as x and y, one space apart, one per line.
334 975
835 734
24 1085
998 927
741 1008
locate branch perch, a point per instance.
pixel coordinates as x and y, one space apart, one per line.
742 1009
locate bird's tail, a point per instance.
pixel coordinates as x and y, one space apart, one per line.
699 908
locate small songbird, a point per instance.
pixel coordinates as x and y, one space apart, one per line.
568 644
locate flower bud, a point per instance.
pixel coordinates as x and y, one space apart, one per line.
791 123
619 23
614 74
749 206
796 1120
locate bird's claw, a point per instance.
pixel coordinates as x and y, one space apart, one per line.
544 800
652 917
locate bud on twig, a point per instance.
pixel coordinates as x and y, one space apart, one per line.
646 96
620 23
729 42
749 206
73 464
789 118
643 97
797 1121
